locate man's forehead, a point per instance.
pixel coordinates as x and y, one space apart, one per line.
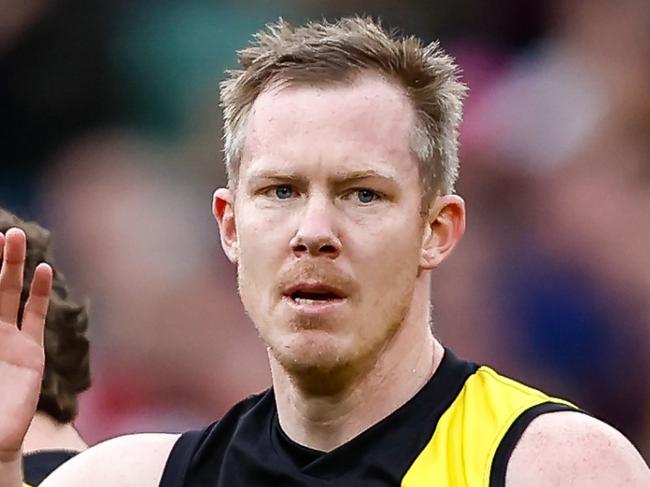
368 120
363 92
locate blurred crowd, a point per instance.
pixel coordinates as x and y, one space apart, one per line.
111 137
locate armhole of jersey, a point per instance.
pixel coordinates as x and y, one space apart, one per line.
512 437
179 459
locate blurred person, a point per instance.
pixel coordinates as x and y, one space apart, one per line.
562 138
342 157
52 438
605 238
134 185
593 69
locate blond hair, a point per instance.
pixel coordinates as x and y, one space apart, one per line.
325 52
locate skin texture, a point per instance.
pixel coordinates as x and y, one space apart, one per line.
573 449
322 231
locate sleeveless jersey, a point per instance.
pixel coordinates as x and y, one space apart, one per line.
39 464
457 431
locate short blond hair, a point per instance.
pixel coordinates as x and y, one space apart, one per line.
333 52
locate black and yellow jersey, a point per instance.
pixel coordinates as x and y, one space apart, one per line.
457 431
39 464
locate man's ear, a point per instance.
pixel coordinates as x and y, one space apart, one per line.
224 212
444 227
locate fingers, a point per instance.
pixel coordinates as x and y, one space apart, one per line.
11 275
36 306
13 249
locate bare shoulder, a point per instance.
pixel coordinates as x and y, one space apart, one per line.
571 448
131 460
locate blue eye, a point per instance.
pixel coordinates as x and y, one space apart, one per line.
283 192
366 196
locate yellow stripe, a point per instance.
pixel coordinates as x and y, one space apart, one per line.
462 448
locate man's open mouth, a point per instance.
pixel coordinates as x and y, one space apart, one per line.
314 294
302 297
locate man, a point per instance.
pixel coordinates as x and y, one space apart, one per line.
341 154
51 438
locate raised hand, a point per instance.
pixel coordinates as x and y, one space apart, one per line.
21 344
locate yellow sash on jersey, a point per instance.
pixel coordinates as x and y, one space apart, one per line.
462 448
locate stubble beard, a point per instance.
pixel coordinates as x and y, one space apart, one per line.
330 363
327 363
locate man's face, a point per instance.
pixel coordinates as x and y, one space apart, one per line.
326 211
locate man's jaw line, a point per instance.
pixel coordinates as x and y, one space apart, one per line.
331 417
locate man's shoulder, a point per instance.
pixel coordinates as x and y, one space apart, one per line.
137 459
571 448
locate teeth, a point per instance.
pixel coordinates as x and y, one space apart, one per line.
307 301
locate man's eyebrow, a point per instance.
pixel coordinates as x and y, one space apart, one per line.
343 177
348 177
274 174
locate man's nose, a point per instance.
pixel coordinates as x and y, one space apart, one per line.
317 235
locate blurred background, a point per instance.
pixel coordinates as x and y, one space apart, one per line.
110 136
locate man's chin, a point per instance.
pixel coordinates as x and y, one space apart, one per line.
312 352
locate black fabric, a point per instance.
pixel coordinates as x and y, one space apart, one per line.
38 465
248 448
300 455
512 437
182 452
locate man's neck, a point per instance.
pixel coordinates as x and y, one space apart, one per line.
325 422
47 434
